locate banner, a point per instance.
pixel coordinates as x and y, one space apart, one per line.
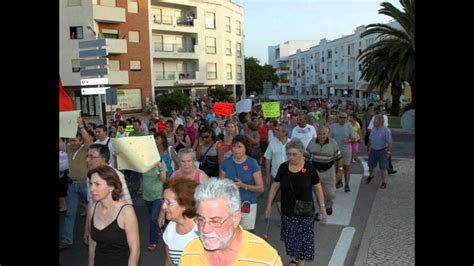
223 108
68 124
139 153
243 106
271 109
65 102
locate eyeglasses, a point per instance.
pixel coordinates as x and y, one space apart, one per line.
205 137
169 203
343 117
214 223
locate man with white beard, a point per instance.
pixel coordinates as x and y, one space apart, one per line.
222 241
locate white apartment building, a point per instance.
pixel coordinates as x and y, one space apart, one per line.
197 45
154 47
326 70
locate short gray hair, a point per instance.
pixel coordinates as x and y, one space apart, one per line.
379 118
295 144
186 151
216 188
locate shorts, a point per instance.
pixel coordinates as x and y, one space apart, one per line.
378 156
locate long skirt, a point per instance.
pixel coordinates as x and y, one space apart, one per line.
298 234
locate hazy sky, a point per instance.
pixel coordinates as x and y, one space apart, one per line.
271 22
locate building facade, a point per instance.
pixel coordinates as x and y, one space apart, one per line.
197 45
329 69
154 47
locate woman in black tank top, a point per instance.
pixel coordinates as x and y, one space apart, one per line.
114 237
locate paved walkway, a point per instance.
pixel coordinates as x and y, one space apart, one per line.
389 237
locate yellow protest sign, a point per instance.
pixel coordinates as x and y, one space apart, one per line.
271 109
68 123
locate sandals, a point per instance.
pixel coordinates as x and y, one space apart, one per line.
293 263
369 178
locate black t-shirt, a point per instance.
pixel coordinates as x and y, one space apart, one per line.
302 182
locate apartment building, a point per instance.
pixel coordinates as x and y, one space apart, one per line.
329 69
124 24
154 47
197 45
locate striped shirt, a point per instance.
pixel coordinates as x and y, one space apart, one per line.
323 155
177 242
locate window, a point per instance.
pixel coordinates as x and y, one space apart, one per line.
114 65
76 65
238 49
229 71
110 34
239 72
135 65
76 33
323 70
210 20
134 36
360 67
210 45
132 7
227 24
237 27
74 3
335 64
228 47
107 3
211 71
335 50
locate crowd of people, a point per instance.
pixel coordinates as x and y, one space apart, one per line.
203 192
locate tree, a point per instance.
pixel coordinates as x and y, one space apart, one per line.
255 75
220 94
172 101
391 60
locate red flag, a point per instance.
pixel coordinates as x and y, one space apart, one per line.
65 102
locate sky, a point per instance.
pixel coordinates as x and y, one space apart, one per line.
272 22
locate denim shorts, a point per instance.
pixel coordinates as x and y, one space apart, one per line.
378 156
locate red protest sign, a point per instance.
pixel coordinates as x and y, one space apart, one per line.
223 108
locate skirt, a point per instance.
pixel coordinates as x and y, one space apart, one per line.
298 235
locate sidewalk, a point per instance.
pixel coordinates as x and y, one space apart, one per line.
389 237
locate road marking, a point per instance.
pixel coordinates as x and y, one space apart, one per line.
342 247
344 202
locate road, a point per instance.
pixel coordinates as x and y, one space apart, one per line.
337 242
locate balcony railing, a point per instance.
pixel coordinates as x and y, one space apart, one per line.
187 75
167 20
165 75
174 47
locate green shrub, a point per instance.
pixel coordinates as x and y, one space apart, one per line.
172 101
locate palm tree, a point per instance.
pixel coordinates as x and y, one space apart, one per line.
391 60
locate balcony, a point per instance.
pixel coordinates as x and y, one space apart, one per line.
175 51
176 24
108 14
116 46
282 70
283 82
118 77
172 78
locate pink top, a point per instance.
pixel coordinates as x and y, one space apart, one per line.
191 131
196 176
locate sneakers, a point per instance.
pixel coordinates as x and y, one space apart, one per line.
383 185
329 211
369 178
392 172
346 188
64 246
339 184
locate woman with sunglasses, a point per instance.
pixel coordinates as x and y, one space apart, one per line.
178 206
207 152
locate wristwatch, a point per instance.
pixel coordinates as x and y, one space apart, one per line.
340 168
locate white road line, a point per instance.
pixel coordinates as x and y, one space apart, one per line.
342 247
344 202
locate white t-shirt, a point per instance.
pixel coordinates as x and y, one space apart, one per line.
305 134
177 242
276 153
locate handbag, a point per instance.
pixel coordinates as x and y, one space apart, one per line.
302 207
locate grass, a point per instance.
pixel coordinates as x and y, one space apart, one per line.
393 121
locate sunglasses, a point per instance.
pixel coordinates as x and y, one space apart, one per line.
205 137
343 117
